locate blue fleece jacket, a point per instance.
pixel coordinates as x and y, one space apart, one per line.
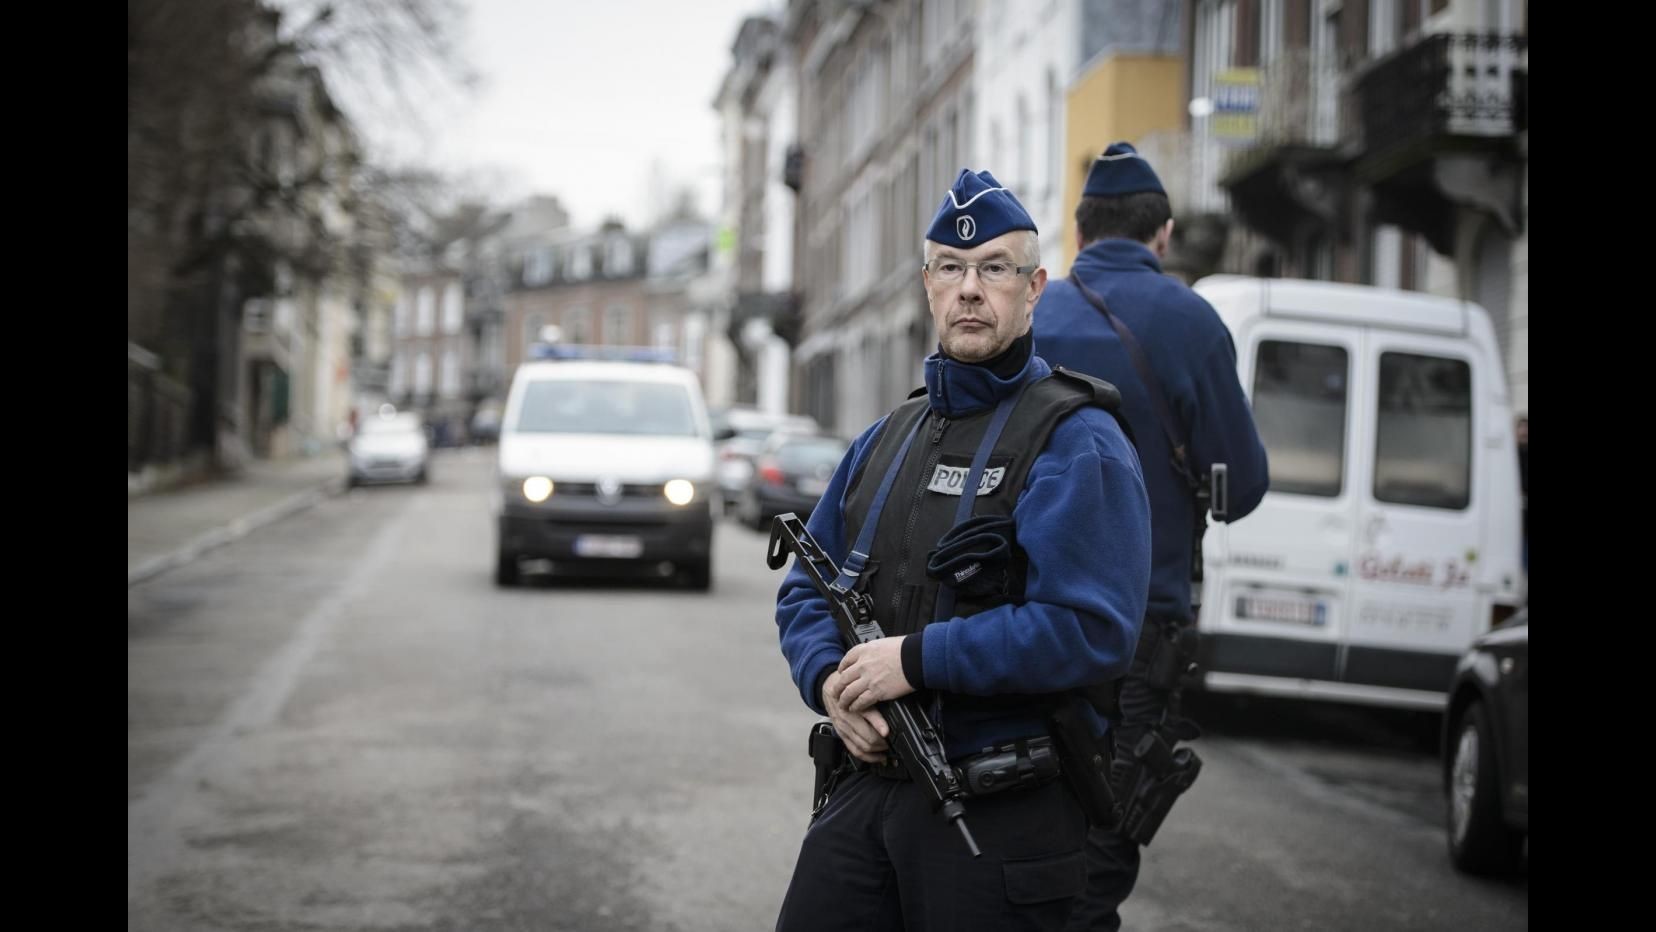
1082 518
1192 355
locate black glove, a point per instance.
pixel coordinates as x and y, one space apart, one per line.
974 556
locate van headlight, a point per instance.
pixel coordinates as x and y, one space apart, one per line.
537 489
679 491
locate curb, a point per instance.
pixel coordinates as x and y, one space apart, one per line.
236 529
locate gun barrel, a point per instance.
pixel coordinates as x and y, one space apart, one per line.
956 813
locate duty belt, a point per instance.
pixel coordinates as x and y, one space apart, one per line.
1024 764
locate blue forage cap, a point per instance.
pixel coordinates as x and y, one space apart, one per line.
1120 171
976 210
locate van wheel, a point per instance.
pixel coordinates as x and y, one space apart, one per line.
1480 841
701 575
506 568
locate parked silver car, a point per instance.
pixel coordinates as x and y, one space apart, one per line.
790 474
389 447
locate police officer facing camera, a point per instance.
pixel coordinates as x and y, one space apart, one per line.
1118 317
999 524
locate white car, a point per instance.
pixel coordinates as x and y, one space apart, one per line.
389 447
605 463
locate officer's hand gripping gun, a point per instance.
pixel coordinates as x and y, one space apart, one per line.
913 738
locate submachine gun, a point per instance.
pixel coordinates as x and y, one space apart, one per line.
913 739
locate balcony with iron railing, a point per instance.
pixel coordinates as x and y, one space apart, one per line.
1445 91
1292 175
1436 127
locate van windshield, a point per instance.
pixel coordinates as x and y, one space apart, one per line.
570 406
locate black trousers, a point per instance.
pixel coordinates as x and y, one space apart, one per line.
878 859
1112 872
1112 860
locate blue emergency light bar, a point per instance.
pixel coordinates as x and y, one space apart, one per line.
569 351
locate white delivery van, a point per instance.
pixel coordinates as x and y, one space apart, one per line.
1390 537
605 461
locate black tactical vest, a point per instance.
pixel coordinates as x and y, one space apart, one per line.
926 492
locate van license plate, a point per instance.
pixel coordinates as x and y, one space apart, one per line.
1282 607
607 545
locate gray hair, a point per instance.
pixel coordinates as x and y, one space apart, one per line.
1026 246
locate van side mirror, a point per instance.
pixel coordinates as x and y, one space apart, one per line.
1219 494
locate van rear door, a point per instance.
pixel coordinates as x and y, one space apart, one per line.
1282 604
1420 532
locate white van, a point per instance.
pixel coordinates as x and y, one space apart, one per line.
1390 537
605 460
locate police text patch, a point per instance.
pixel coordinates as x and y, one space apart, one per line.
950 477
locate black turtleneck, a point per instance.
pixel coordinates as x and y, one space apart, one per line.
1011 360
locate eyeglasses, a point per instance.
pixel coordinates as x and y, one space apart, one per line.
991 271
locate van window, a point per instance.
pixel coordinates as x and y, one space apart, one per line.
1299 405
1423 450
571 406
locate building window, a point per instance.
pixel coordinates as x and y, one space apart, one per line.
619 261
664 334
1299 405
1054 154
399 375
1271 30
537 267
617 325
997 151
580 262
400 321
532 325
425 311
577 326
1386 257
1423 445
453 308
1384 21
1025 171
422 375
449 384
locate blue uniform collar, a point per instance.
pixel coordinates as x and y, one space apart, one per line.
1117 255
957 389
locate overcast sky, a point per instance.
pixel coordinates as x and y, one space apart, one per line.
582 99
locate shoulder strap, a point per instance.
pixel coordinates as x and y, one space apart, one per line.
1152 384
857 558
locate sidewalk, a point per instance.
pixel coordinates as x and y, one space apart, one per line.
169 529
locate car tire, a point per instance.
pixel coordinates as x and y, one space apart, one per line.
422 477
1480 841
753 514
700 575
506 569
